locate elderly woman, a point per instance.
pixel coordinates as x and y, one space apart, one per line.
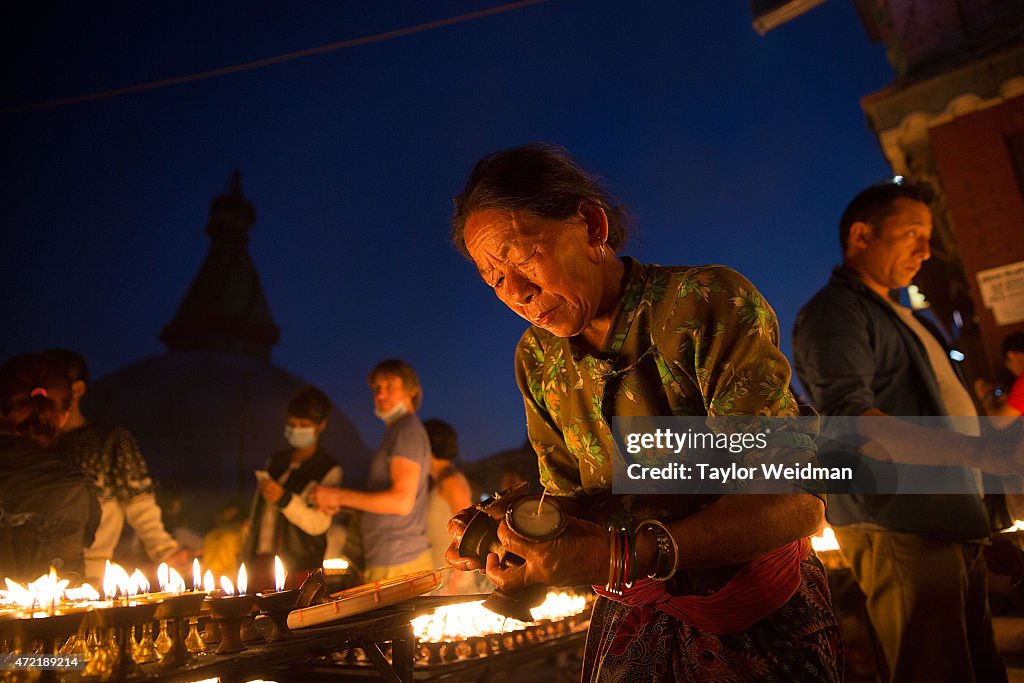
734 591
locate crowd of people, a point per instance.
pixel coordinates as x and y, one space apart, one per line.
691 588
70 485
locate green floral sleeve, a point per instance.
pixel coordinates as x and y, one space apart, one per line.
727 337
559 469
715 329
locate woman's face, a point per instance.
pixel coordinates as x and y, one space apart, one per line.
548 271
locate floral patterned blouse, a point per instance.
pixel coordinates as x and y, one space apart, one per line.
685 341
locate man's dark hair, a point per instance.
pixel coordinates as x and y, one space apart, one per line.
311 404
73 362
874 204
444 442
540 178
1013 342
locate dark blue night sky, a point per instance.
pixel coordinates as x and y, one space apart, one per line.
729 148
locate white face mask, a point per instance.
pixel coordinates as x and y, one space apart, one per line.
398 411
300 437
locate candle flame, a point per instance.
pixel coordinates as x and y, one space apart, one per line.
208 583
116 580
458 622
109 582
162 576
559 606
138 583
225 584
243 580
279 575
336 563
825 541
196 576
19 595
121 578
46 591
175 583
82 593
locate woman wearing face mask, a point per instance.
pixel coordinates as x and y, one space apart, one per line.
281 522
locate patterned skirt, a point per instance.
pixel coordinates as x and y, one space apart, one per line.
798 642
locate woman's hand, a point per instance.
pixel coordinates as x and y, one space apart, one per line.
456 527
579 556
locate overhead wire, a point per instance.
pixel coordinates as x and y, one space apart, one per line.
260 63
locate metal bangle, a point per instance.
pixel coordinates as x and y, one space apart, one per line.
613 552
624 575
620 560
668 550
632 571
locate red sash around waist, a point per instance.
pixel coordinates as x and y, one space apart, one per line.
762 586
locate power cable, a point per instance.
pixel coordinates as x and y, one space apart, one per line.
259 63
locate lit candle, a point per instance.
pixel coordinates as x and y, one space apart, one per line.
138 584
163 576
196 576
19 594
279 575
243 580
175 584
208 584
536 521
83 593
121 580
48 591
338 563
225 584
109 582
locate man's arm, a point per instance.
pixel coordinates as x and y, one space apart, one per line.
396 500
907 443
832 355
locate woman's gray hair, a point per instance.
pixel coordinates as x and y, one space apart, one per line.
540 178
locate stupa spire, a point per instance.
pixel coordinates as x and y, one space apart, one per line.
225 308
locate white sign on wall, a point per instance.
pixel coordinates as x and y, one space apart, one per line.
1002 290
